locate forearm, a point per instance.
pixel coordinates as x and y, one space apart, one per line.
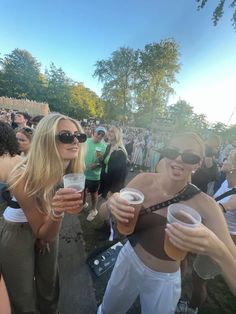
50 229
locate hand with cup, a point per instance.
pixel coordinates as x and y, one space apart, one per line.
184 216
75 181
125 207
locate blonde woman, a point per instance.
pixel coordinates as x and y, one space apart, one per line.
114 168
29 267
143 268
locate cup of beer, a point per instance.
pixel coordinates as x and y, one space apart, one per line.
98 152
75 181
185 216
135 199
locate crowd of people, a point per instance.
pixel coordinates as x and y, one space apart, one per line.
36 152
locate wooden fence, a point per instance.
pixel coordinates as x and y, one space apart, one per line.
25 105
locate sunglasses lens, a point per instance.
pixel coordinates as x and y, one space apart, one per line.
190 158
82 137
66 138
170 153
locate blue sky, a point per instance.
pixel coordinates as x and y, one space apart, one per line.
75 34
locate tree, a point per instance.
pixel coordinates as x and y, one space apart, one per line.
118 75
219 10
21 76
158 65
58 91
84 103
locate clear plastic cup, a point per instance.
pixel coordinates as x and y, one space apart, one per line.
135 199
75 181
185 216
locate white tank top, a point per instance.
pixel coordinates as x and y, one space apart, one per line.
230 215
14 214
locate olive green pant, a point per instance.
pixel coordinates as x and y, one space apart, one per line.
31 278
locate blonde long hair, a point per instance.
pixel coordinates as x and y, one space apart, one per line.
118 139
43 167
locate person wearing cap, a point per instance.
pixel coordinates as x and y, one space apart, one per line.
96 147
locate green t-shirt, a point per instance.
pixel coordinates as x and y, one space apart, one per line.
91 158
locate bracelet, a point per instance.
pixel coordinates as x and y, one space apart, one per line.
222 207
55 216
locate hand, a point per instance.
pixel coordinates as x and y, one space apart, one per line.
197 240
42 246
93 166
66 199
120 208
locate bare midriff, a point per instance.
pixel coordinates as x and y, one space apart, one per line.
155 263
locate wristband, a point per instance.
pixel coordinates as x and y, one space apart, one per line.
222 207
54 216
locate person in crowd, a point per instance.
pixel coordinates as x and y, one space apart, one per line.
138 153
9 157
21 119
114 169
205 268
143 267
30 229
208 172
95 149
35 121
24 137
129 146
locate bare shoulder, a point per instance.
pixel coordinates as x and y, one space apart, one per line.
143 180
205 204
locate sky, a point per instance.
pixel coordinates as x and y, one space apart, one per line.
74 34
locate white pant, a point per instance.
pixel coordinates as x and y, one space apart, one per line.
159 292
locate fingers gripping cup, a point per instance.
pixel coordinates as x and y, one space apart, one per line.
75 181
135 199
185 216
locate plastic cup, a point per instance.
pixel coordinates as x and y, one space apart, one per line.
75 181
98 152
135 199
185 216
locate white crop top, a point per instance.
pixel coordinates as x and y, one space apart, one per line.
14 214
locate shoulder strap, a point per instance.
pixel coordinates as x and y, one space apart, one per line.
225 194
190 191
6 196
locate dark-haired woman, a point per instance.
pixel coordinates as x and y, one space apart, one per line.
8 150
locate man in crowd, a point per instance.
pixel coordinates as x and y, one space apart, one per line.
95 149
21 119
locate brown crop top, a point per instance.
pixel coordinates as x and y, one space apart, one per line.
150 228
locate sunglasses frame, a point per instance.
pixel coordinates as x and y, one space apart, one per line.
187 157
69 137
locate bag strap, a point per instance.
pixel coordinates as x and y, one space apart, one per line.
189 192
225 194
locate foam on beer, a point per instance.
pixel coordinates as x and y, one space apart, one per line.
132 197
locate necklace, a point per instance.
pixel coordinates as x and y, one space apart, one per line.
176 194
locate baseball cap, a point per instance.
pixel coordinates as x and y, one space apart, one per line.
101 129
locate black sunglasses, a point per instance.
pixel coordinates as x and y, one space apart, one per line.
188 158
68 137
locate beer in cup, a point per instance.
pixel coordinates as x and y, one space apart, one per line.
185 216
75 181
135 199
98 152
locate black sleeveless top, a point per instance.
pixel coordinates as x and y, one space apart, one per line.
150 228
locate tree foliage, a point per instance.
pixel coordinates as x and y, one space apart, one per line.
137 83
219 10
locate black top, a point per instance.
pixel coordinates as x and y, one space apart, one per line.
114 179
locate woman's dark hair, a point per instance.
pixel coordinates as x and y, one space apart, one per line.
8 141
